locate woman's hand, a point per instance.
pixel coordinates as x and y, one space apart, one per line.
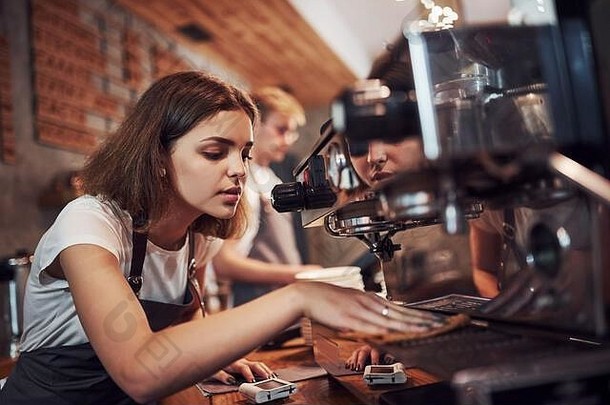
348 309
365 353
249 370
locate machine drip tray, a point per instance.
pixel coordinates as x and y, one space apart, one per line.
476 346
440 393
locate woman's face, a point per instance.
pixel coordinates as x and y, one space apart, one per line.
384 160
209 165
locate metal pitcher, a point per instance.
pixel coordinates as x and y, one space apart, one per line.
14 271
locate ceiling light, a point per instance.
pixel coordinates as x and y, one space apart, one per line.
439 17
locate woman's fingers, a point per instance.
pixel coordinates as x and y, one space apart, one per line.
348 309
360 357
376 315
366 354
225 378
388 359
388 309
251 369
261 369
374 357
394 317
352 360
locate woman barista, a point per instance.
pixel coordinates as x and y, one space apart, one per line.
111 315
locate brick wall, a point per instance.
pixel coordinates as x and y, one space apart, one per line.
7 135
90 62
69 69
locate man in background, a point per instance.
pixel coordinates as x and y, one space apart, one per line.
267 256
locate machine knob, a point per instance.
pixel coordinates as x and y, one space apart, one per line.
287 197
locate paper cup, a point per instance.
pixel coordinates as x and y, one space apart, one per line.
342 276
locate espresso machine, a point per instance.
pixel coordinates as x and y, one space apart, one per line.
513 117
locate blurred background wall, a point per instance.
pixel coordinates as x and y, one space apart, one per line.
69 69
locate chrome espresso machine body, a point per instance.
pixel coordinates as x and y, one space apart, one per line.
513 117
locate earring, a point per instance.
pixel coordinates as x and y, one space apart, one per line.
163 172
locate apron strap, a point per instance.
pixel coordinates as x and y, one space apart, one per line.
192 263
139 241
137 261
192 273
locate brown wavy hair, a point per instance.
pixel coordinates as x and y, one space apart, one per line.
127 168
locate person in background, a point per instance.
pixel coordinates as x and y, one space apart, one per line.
112 312
427 250
267 255
65 187
493 257
383 160
504 267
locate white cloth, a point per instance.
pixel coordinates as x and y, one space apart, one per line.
50 317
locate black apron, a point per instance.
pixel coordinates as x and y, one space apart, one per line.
73 374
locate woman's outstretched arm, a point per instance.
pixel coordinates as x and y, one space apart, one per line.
148 365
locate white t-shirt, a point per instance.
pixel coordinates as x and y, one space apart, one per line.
50 318
259 185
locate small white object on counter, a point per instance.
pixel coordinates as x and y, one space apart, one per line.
385 374
267 390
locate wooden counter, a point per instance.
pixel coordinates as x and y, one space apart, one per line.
319 390
328 390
